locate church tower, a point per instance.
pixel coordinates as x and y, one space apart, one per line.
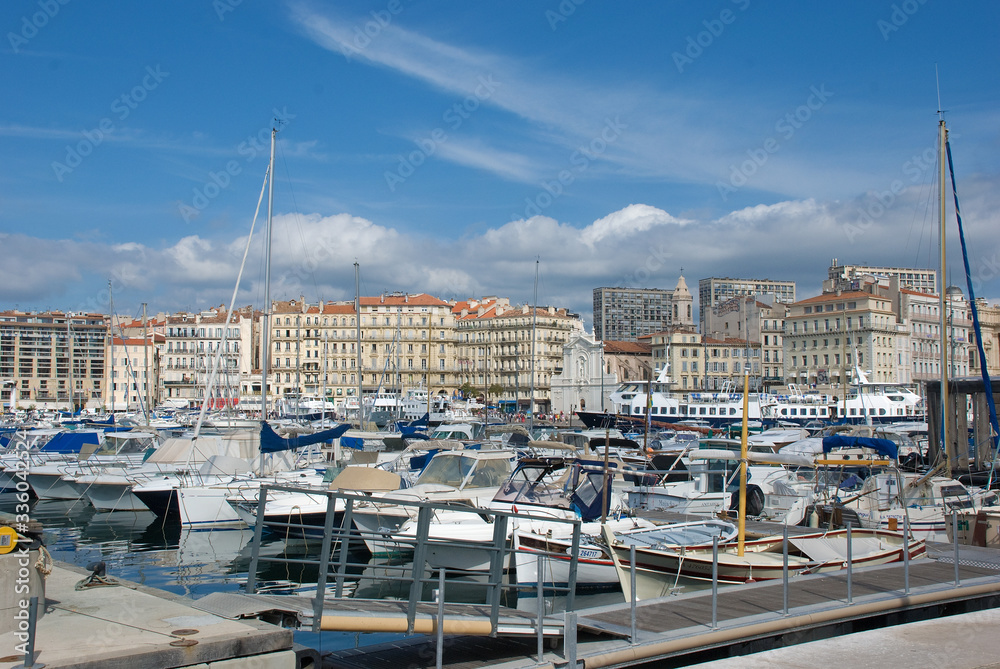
683 305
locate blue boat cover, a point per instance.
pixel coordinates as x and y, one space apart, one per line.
884 446
357 443
272 442
70 442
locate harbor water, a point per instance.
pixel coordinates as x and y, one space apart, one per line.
143 548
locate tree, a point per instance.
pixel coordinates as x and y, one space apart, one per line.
467 390
496 390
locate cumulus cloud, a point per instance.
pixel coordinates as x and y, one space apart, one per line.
639 245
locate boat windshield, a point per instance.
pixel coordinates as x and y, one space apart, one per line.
565 487
452 469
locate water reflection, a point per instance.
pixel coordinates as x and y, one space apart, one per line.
140 547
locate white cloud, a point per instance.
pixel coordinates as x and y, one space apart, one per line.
639 245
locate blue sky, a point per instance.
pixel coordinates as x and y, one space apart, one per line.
445 146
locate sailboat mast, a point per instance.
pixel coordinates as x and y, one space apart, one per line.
69 339
266 334
534 329
145 359
111 327
945 432
357 309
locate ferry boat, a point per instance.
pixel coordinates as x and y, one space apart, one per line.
668 409
866 402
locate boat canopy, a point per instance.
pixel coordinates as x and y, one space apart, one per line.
882 446
272 442
70 442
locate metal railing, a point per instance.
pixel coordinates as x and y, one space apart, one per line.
340 559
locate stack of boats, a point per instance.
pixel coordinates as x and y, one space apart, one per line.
616 489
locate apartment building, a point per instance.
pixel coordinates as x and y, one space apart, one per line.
826 336
494 348
854 277
704 363
625 314
407 340
713 291
758 319
922 314
53 360
133 378
206 345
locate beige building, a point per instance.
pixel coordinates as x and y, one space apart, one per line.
407 341
197 344
698 363
494 348
133 372
827 335
921 313
759 320
53 360
629 360
989 323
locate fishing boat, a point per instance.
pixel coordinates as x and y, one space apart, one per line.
659 570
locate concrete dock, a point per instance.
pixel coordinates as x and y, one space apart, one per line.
129 625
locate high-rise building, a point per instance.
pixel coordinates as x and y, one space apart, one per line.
625 314
715 290
53 360
853 277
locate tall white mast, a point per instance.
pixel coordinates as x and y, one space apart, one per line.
266 334
145 359
357 310
111 328
534 328
948 446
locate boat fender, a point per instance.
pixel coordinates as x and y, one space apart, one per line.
814 518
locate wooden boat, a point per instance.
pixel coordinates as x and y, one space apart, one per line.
659 570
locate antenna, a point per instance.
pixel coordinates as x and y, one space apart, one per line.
937 81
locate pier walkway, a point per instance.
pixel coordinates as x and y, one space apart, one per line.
678 630
129 625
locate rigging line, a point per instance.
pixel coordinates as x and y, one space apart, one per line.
229 314
923 230
988 387
297 214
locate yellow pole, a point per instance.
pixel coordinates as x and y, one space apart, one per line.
743 464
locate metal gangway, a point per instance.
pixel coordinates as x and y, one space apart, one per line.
342 555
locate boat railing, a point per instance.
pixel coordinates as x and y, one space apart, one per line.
340 560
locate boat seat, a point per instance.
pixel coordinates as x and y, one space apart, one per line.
831 549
